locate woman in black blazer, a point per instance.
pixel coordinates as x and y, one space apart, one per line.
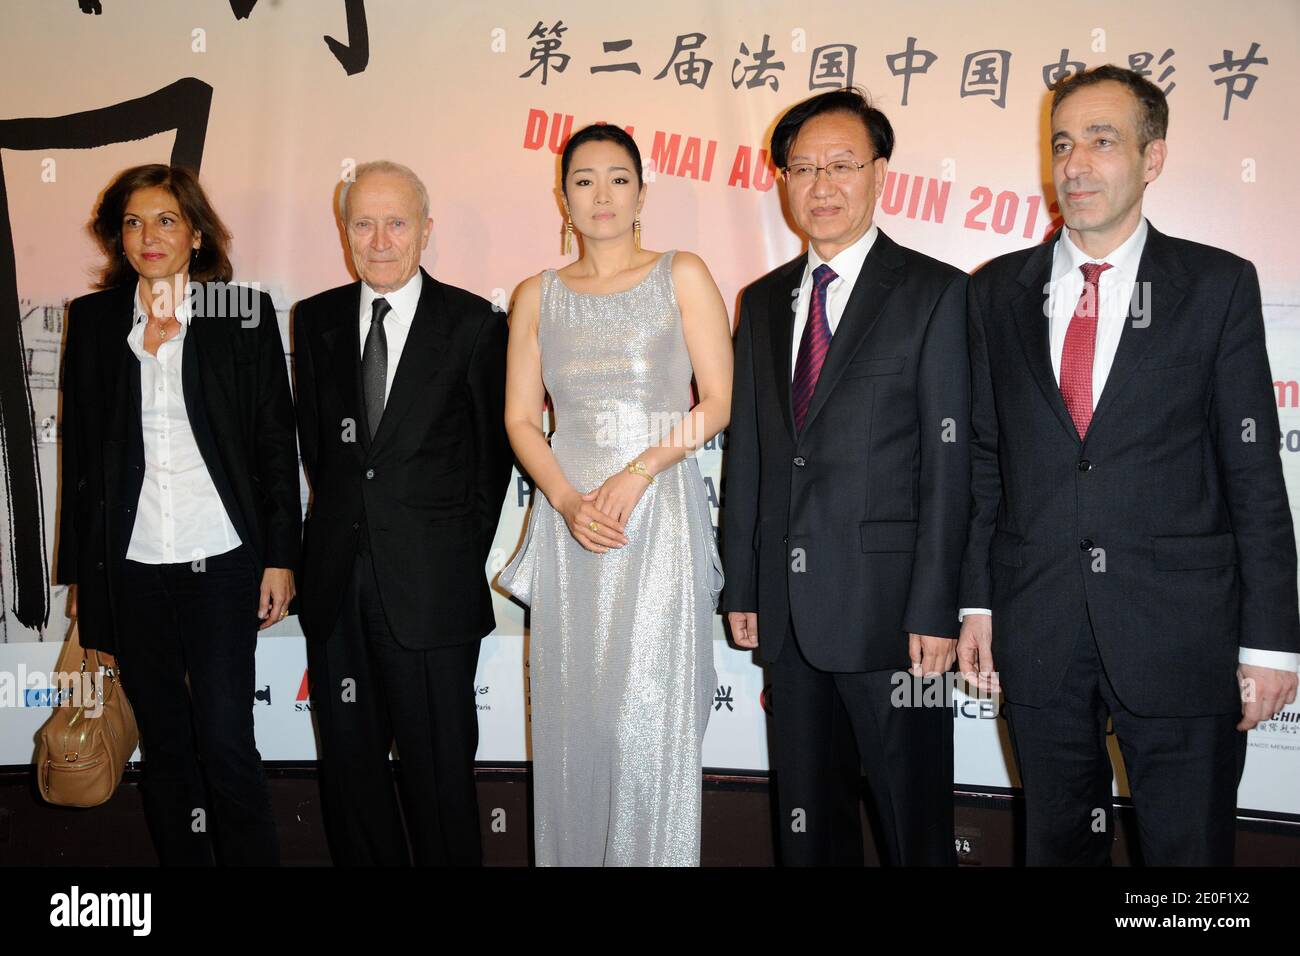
179 504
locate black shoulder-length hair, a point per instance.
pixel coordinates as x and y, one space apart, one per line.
211 262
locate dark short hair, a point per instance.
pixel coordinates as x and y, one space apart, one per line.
211 262
1153 108
851 100
596 133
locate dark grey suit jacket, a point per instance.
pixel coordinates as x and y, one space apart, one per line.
1169 526
853 529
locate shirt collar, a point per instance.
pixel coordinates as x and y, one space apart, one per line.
1123 260
403 301
182 309
847 263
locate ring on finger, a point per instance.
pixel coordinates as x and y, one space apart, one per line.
594 526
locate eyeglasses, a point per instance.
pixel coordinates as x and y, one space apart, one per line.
803 174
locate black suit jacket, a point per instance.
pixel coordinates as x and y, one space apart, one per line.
427 491
1169 526
853 529
241 412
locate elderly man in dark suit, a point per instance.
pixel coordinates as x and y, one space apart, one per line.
401 395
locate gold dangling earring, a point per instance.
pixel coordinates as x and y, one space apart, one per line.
636 233
568 236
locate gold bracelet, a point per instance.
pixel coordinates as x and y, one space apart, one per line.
639 468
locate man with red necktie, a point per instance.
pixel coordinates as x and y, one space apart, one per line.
1130 533
847 500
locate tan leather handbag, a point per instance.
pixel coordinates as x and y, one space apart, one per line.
83 749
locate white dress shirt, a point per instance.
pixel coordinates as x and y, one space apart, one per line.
1114 292
847 265
397 323
180 517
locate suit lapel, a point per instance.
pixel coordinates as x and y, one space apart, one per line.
1034 327
202 380
413 367
1160 272
781 307
881 273
343 340
123 390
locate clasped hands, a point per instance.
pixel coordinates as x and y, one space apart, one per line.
608 507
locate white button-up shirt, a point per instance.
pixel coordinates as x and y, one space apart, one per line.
847 265
1114 290
397 323
180 517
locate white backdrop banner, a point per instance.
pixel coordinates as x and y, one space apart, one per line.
274 102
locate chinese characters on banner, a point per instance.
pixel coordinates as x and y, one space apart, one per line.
984 73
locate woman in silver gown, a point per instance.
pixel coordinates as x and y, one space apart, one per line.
619 563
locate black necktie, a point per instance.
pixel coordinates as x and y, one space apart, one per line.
374 364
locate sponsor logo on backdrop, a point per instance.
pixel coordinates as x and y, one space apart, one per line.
38 697
977 708
1280 732
302 702
1288 393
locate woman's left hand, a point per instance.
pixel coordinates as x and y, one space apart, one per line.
277 592
619 495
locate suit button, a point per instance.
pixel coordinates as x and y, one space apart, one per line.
1085 465
356 526
99 565
1086 544
370 473
785 539
800 461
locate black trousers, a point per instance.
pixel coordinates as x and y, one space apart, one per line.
199 621
829 728
368 690
1182 772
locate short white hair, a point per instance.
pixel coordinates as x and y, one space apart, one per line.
384 166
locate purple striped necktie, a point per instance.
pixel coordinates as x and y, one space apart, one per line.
812 347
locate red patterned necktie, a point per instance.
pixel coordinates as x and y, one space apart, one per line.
812 346
1080 346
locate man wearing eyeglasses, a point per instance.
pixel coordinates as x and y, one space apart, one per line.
847 501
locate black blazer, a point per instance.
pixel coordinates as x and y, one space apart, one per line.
427 492
241 412
1169 526
854 529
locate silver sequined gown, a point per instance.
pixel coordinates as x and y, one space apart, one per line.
621 653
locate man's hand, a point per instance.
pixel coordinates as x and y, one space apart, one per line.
1264 691
930 655
975 653
744 628
277 592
